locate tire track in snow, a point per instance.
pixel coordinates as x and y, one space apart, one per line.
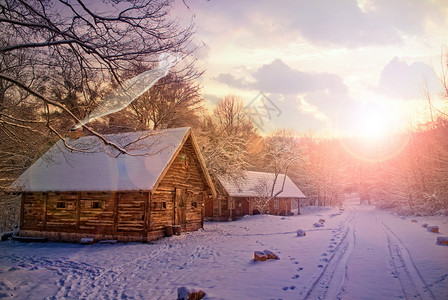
412 282
330 282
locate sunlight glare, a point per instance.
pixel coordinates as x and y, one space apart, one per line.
373 121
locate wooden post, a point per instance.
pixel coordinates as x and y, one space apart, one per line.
145 225
22 210
149 210
115 213
203 208
78 210
44 217
230 205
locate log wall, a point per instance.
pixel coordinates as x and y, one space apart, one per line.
185 175
244 206
32 215
97 212
284 207
221 209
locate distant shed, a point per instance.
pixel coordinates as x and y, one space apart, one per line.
236 200
100 193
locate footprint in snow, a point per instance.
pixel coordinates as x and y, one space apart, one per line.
295 276
61 282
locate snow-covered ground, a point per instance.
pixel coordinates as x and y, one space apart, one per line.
360 253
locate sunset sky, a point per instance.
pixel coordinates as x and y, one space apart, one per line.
346 66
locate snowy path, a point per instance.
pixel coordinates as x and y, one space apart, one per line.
370 262
361 253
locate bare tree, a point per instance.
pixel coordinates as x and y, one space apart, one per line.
172 102
230 117
226 138
82 41
280 151
263 191
279 154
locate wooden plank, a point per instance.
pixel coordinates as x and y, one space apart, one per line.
78 209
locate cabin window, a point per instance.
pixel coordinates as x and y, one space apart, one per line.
60 204
96 204
276 203
159 205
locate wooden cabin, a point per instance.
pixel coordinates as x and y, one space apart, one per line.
235 200
101 193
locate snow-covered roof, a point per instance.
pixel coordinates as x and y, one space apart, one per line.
102 168
248 187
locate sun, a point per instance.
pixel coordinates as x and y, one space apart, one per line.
376 133
373 121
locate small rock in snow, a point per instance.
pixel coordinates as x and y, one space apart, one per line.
318 225
322 221
271 255
184 293
260 256
301 232
442 240
425 225
434 229
413 221
87 241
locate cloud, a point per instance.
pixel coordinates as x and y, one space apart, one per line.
341 23
307 108
279 78
306 99
294 112
231 80
213 99
407 81
348 23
